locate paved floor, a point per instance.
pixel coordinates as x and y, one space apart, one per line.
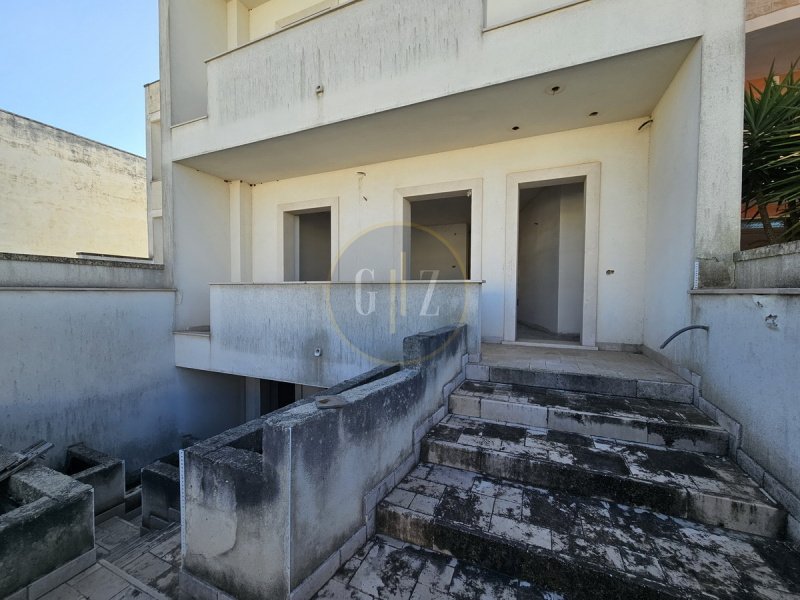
529 334
586 362
129 566
386 568
557 530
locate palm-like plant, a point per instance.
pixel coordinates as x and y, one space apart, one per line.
771 167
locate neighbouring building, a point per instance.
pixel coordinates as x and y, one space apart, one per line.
64 195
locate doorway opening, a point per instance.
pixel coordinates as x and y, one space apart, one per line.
307 245
550 264
439 238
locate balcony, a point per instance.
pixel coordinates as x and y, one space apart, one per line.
377 80
319 334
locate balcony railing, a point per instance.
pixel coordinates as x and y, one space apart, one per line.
319 334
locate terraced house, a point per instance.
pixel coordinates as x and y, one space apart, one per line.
444 300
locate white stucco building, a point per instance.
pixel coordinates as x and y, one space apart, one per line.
284 124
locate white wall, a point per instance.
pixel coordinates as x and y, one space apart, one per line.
749 370
537 280
570 258
672 207
61 194
621 148
202 241
98 367
197 31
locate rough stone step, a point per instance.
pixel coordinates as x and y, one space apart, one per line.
582 547
672 389
656 422
389 568
704 488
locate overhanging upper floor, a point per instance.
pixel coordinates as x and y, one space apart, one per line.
367 62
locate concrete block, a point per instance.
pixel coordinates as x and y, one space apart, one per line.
733 427
104 473
510 412
20 595
477 372
466 406
64 573
353 545
371 523
750 466
117 511
793 531
660 390
161 493
782 495
61 512
312 584
739 515
440 414
193 588
707 408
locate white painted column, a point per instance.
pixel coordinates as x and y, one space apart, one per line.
241 206
238 24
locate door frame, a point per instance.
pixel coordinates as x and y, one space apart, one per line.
589 175
283 237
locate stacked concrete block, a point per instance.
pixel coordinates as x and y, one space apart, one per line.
46 530
104 473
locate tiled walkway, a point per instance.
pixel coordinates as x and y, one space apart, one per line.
129 566
586 362
387 568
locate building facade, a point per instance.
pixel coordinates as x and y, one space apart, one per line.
477 121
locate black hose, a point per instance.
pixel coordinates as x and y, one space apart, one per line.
680 331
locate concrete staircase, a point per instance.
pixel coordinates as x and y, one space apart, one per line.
586 487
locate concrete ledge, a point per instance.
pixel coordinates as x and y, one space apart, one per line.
775 291
91 262
52 580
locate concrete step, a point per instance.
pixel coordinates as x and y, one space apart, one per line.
678 426
704 488
671 389
389 568
582 547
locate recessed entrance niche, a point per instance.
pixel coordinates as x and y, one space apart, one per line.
550 278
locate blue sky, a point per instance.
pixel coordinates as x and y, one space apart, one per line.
80 65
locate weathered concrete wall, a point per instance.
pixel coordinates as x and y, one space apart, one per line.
748 363
269 503
274 331
61 194
53 525
97 366
769 267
